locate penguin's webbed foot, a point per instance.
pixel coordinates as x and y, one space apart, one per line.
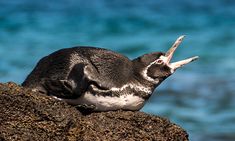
85 109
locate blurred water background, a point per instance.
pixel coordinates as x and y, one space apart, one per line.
200 97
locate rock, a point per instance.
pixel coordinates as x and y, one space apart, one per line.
26 115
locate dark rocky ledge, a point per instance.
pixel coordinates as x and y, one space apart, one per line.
26 115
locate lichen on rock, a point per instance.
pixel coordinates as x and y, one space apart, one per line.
27 115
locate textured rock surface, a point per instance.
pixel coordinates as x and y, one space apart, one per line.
25 115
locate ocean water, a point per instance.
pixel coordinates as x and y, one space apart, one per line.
200 97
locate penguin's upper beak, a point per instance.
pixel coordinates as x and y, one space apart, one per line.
169 54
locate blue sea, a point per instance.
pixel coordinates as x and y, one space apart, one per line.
200 97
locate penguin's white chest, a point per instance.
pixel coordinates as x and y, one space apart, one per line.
107 103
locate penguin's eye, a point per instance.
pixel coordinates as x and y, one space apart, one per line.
159 61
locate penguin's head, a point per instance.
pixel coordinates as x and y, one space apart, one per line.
157 66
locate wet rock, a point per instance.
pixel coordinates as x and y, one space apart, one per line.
26 115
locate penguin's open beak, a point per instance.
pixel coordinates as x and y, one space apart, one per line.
169 54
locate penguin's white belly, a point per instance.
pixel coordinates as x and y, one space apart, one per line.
108 103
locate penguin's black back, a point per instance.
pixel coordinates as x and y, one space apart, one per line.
112 67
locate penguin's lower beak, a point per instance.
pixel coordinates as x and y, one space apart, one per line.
168 56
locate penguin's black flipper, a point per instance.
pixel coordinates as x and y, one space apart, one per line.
72 87
58 88
81 76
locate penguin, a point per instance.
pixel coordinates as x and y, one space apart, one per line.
101 79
